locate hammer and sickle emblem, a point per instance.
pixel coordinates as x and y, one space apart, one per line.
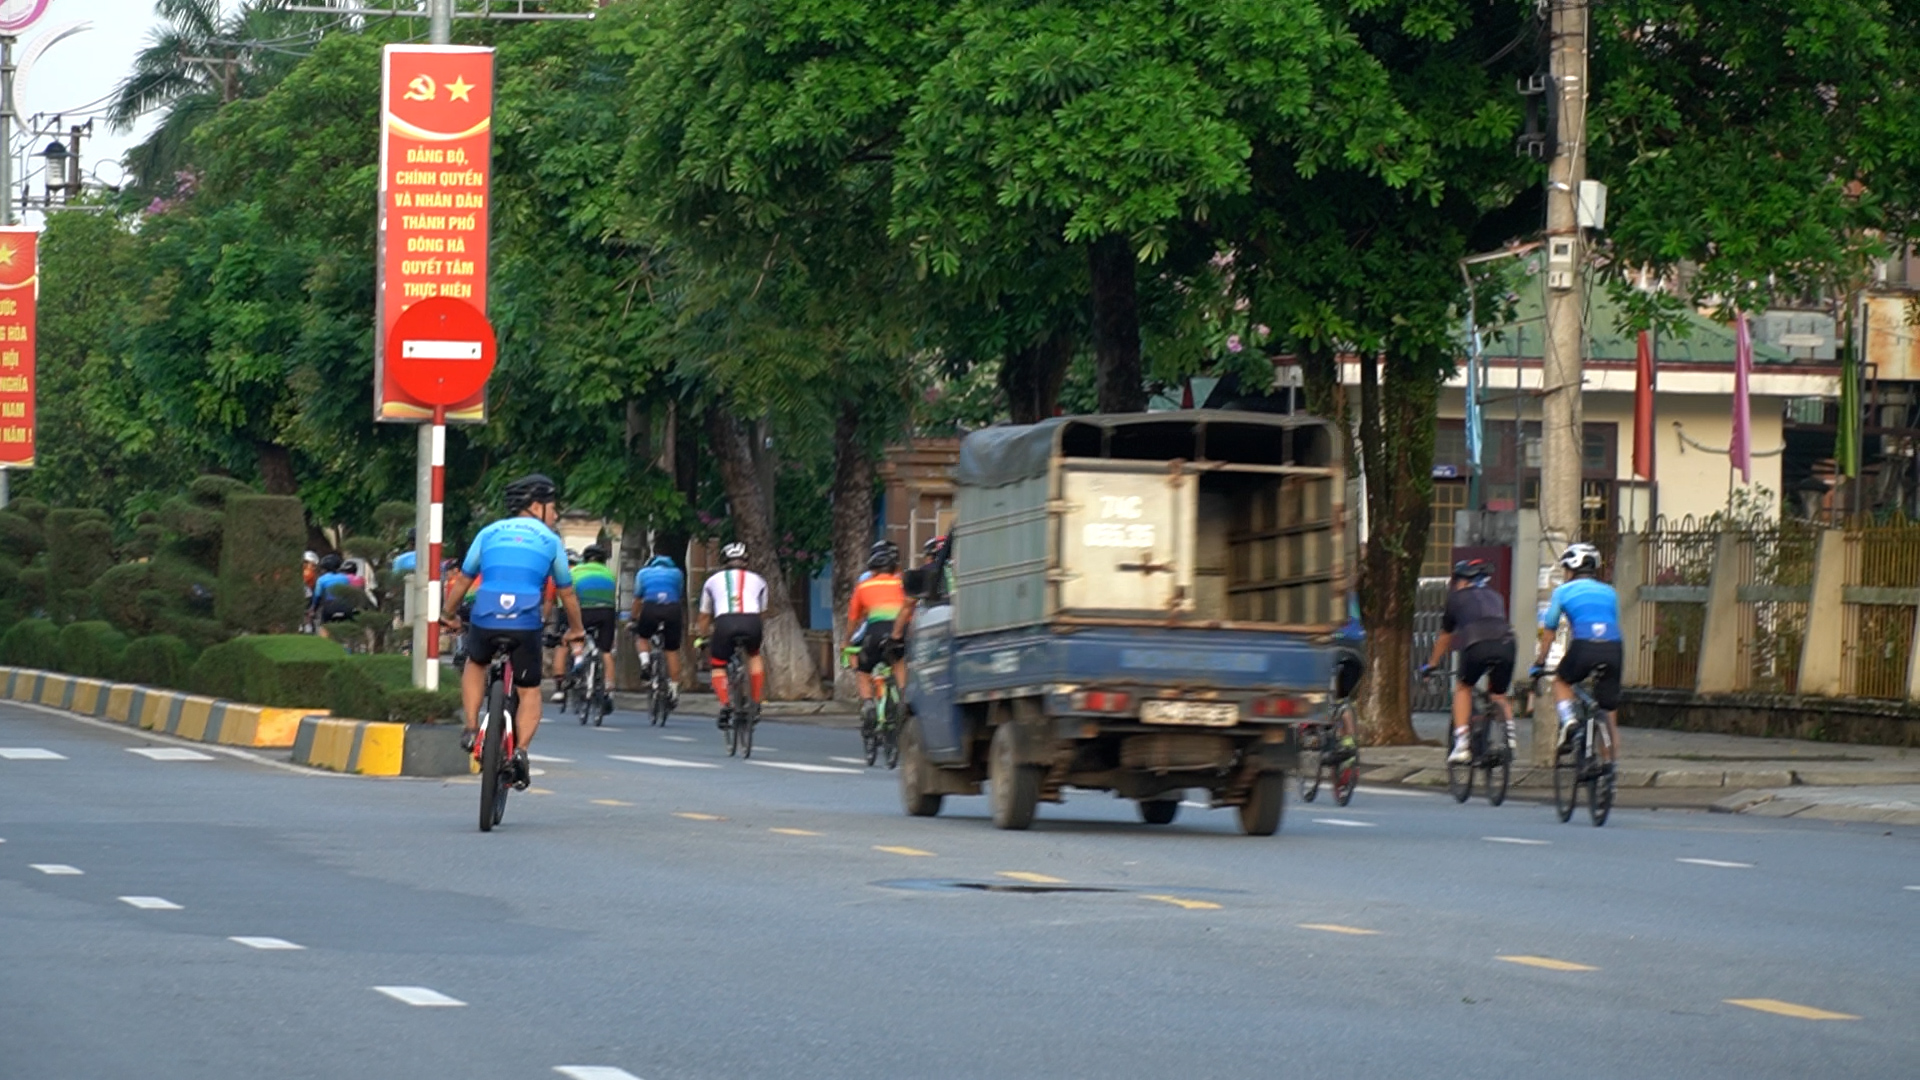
420 89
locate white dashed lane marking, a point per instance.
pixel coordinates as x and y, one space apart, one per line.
849 760
1396 792
663 762
150 903
678 738
419 995
594 1072
1723 864
56 869
1343 821
798 766
169 753
29 753
1515 840
266 943
1196 805
546 760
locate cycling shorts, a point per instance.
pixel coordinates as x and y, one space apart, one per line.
600 623
1583 658
670 619
525 656
878 646
1493 659
747 628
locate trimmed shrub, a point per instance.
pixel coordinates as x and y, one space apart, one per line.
79 550
31 643
21 536
260 588
381 688
30 508
91 649
161 660
268 669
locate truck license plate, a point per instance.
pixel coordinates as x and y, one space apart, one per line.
1198 713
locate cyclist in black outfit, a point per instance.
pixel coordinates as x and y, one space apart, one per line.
1477 625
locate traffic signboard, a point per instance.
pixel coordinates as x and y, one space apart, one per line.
440 351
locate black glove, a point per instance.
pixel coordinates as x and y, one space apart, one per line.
1536 671
1426 670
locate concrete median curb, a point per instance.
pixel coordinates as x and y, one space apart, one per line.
374 748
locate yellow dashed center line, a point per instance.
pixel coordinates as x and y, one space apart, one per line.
1183 902
1336 928
1547 962
794 832
691 816
902 850
1788 1008
610 802
1037 879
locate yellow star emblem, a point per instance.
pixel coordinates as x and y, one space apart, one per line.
458 89
6 254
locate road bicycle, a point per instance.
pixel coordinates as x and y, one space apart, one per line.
1490 742
880 729
1585 759
494 747
660 702
1331 747
586 690
744 713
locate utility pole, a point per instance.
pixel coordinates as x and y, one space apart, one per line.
430 448
1561 363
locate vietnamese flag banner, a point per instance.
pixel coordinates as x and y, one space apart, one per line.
19 291
436 152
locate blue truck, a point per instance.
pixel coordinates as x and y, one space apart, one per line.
1146 604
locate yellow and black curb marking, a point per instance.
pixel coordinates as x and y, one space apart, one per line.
352 746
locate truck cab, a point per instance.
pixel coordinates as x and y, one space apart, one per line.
1144 604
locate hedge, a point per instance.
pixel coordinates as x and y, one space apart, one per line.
31 643
161 660
260 588
288 670
91 650
381 688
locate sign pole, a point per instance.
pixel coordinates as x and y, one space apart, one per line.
437 493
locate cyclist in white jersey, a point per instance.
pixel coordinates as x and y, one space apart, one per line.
731 607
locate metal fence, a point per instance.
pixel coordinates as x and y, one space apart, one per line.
1776 583
1679 565
1430 603
1882 591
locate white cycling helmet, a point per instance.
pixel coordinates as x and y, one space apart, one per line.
1581 559
735 550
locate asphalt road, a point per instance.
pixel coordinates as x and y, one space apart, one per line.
653 909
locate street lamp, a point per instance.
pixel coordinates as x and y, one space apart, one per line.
56 155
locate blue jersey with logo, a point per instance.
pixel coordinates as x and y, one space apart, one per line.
404 562
332 586
1591 607
513 558
663 584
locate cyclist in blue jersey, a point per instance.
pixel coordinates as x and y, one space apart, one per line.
1592 613
513 558
660 603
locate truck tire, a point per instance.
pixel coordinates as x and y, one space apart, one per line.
1015 788
916 774
1159 811
1260 814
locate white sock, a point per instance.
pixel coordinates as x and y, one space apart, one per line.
1565 708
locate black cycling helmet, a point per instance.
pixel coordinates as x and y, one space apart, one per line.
933 548
529 490
1472 569
884 555
329 563
594 553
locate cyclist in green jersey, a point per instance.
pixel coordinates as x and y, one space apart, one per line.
598 591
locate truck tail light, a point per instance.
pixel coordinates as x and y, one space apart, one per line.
1106 701
1278 707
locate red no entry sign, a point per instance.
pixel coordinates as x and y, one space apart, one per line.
440 351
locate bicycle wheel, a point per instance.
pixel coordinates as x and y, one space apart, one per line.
1600 788
662 701
1313 739
599 703
750 719
1499 773
890 734
1566 782
737 712
870 734
1346 777
1460 775
1346 767
493 798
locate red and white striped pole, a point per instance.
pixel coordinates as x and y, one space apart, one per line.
435 515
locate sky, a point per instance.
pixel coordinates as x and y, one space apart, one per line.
78 72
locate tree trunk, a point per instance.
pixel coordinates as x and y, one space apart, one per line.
852 495
1396 449
790 671
1116 325
1031 377
276 469
635 547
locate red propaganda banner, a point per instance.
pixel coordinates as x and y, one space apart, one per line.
436 148
19 290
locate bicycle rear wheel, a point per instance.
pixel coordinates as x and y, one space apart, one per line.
1600 788
1499 773
1345 733
737 693
493 796
1313 739
662 702
750 719
1566 782
890 734
1460 773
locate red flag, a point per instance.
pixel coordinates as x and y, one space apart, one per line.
1643 409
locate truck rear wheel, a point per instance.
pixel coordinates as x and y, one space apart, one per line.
1159 811
1016 787
916 774
1260 814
